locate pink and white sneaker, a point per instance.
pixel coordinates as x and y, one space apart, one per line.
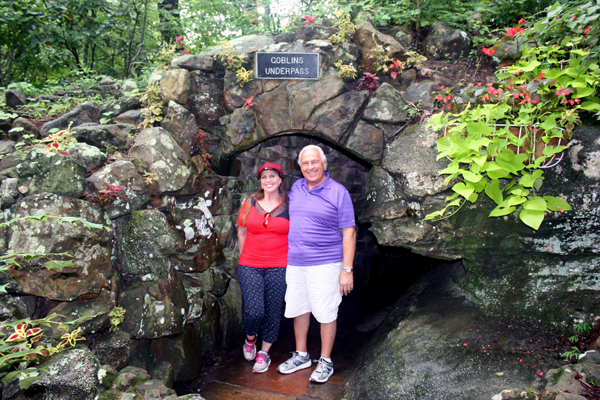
249 350
262 362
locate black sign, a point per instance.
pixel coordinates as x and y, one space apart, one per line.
287 65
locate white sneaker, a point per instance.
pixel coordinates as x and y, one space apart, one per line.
294 364
323 371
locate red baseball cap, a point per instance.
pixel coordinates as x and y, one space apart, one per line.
270 165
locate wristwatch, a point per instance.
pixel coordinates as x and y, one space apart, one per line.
347 269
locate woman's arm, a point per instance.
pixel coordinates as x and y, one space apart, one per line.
242 231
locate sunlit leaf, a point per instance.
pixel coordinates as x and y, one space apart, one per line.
532 218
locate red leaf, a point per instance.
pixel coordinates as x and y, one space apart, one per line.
394 74
14 337
33 332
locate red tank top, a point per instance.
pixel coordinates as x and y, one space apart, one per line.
265 248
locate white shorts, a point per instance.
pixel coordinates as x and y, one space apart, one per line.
313 289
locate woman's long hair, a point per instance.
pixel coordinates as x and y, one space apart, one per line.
258 195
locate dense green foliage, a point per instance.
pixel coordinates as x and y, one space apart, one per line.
499 135
43 41
421 13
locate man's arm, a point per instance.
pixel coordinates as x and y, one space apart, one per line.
349 248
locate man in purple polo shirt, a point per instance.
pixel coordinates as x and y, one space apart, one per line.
322 243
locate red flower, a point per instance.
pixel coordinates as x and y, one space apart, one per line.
513 31
587 30
179 39
186 51
488 52
249 103
439 98
309 20
540 373
521 20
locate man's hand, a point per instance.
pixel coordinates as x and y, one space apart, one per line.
349 248
346 283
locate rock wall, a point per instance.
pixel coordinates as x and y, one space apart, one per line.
171 259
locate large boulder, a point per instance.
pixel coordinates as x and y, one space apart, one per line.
175 85
119 106
154 308
120 173
113 349
273 111
147 244
445 43
181 352
434 346
182 126
14 98
304 99
411 158
367 141
89 156
48 172
422 93
203 239
387 106
193 62
114 136
235 95
24 127
9 192
241 131
87 112
91 248
162 157
70 374
334 118
367 39
206 99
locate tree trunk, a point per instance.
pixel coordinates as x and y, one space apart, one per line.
169 18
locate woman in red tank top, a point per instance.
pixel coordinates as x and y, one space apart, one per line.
263 225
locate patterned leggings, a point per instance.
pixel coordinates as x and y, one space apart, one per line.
263 291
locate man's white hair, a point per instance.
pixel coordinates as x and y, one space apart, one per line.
313 147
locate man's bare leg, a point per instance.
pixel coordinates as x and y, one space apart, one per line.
301 325
328 332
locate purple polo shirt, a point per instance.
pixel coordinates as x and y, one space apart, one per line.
316 217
